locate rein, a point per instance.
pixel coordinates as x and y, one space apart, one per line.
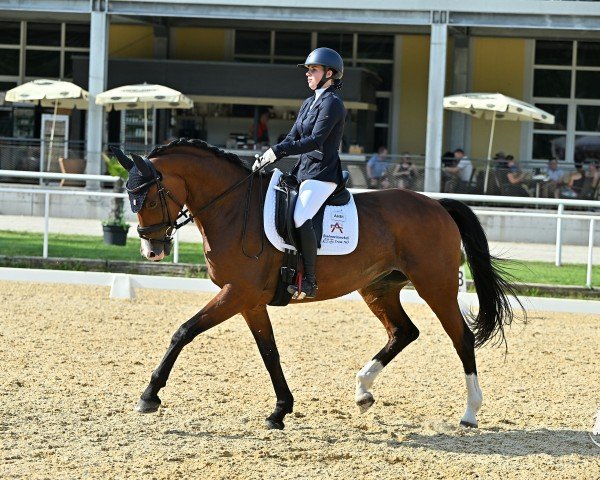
172 226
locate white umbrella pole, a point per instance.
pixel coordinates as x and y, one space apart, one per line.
52 135
489 155
145 124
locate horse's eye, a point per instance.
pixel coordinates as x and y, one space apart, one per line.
152 204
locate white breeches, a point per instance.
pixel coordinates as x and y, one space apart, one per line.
311 195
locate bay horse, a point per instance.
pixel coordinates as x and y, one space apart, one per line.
404 237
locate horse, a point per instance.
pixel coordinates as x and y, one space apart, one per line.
404 237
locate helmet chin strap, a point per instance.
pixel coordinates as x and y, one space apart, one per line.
323 80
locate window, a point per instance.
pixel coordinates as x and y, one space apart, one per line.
553 53
566 83
47 52
588 118
295 44
250 42
560 116
383 110
42 63
587 84
340 42
10 33
68 68
384 71
43 34
375 46
588 54
77 35
4 86
9 61
547 146
552 83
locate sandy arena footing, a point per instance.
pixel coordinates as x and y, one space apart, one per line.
76 361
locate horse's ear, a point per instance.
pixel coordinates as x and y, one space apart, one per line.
142 166
123 159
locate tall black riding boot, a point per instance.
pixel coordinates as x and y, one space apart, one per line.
308 248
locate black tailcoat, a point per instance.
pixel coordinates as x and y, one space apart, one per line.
316 137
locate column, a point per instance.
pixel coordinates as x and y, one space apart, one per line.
96 84
459 122
394 127
435 97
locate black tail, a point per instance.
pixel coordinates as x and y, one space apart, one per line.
492 282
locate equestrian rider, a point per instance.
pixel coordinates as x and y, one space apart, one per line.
316 136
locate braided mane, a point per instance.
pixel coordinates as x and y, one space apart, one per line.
202 145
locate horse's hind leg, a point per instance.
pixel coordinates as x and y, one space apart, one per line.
442 298
464 344
383 298
260 326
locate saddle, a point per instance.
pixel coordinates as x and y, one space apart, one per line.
286 197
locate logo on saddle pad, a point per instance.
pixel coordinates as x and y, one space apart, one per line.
340 225
337 221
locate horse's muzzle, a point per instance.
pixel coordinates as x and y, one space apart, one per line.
156 250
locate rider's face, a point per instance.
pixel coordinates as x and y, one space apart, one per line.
314 73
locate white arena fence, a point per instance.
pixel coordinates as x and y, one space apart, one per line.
559 214
122 286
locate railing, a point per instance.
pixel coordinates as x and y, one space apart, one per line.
487 178
560 215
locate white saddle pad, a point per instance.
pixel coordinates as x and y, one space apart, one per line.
340 225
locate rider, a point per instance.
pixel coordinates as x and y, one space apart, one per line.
316 137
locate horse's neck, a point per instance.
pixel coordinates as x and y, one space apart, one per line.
206 179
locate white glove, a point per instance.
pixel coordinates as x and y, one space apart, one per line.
267 157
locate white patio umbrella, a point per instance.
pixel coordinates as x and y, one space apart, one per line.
142 96
50 93
495 106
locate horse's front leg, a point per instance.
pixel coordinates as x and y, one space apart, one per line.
223 306
260 326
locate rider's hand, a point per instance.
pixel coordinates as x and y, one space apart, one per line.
268 157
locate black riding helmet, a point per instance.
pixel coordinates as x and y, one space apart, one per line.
329 59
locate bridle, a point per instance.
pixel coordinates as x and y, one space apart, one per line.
171 226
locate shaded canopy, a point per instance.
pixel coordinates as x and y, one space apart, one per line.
129 97
50 93
490 105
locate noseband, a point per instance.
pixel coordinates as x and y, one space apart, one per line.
169 225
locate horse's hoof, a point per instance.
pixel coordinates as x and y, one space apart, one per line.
365 401
147 406
274 424
464 423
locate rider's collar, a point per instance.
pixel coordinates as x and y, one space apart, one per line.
318 93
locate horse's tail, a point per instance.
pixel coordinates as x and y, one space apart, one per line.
492 282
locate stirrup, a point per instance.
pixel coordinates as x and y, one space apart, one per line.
309 290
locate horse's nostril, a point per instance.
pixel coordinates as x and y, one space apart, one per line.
152 254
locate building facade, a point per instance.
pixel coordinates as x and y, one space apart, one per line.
233 57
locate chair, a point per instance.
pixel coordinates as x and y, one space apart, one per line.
357 177
588 191
71 165
468 186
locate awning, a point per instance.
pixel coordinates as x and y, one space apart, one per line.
232 83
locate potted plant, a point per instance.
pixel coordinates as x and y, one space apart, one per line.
115 227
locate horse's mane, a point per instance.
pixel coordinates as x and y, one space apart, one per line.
202 145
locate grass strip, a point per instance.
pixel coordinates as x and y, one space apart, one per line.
16 244
13 244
